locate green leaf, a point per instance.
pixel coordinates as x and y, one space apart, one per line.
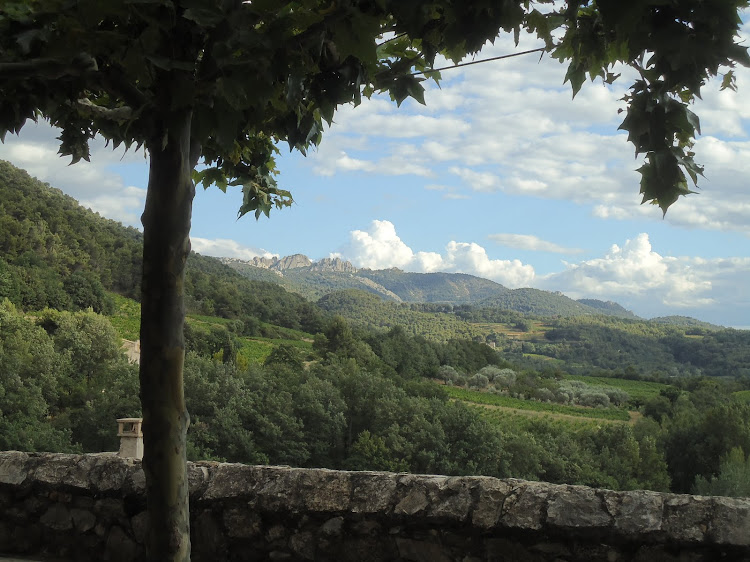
204 16
355 36
729 81
576 75
416 91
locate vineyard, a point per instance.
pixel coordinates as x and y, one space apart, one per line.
474 397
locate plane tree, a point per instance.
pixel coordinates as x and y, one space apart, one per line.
211 88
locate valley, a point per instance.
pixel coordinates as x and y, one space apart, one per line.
322 365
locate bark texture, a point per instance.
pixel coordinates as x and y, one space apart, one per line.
166 228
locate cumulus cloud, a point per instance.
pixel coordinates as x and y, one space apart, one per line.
531 242
510 126
636 273
223 248
463 257
380 247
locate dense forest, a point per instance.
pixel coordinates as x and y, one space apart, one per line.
355 382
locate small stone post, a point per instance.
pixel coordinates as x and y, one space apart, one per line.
131 437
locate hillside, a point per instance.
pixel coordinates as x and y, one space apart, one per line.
453 288
55 253
608 307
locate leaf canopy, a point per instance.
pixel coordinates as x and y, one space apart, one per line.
254 73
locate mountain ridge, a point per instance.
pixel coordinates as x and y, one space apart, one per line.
316 279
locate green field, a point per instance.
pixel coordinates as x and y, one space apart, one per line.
537 331
487 399
639 391
253 350
126 318
516 421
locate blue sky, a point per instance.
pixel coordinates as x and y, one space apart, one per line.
500 175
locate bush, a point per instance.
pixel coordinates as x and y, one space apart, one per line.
478 381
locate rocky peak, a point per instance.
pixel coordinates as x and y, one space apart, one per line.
294 261
333 264
265 263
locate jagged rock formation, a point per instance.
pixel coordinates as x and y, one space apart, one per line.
295 261
333 264
92 507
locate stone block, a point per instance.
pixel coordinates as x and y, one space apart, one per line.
13 468
230 481
686 518
120 547
52 470
83 519
635 513
332 527
730 523
414 502
372 492
135 483
421 551
303 545
198 477
109 509
57 517
78 476
489 507
327 491
139 525
109 473
525 506
242 523
577 507
451 499
277 491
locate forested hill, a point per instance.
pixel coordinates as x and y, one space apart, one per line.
546 303
454 288
55 253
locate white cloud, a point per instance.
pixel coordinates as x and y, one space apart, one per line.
344 162
463 257
478 181
531 242
511 126
381 248
125 205
220 247
651 284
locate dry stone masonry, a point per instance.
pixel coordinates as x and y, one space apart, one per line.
92 507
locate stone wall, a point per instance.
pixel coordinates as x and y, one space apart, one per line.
92 507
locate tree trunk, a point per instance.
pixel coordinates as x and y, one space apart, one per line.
166 229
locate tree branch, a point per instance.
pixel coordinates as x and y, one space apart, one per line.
122 88
49 68
119 114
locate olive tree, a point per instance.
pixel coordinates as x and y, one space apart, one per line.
221 83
